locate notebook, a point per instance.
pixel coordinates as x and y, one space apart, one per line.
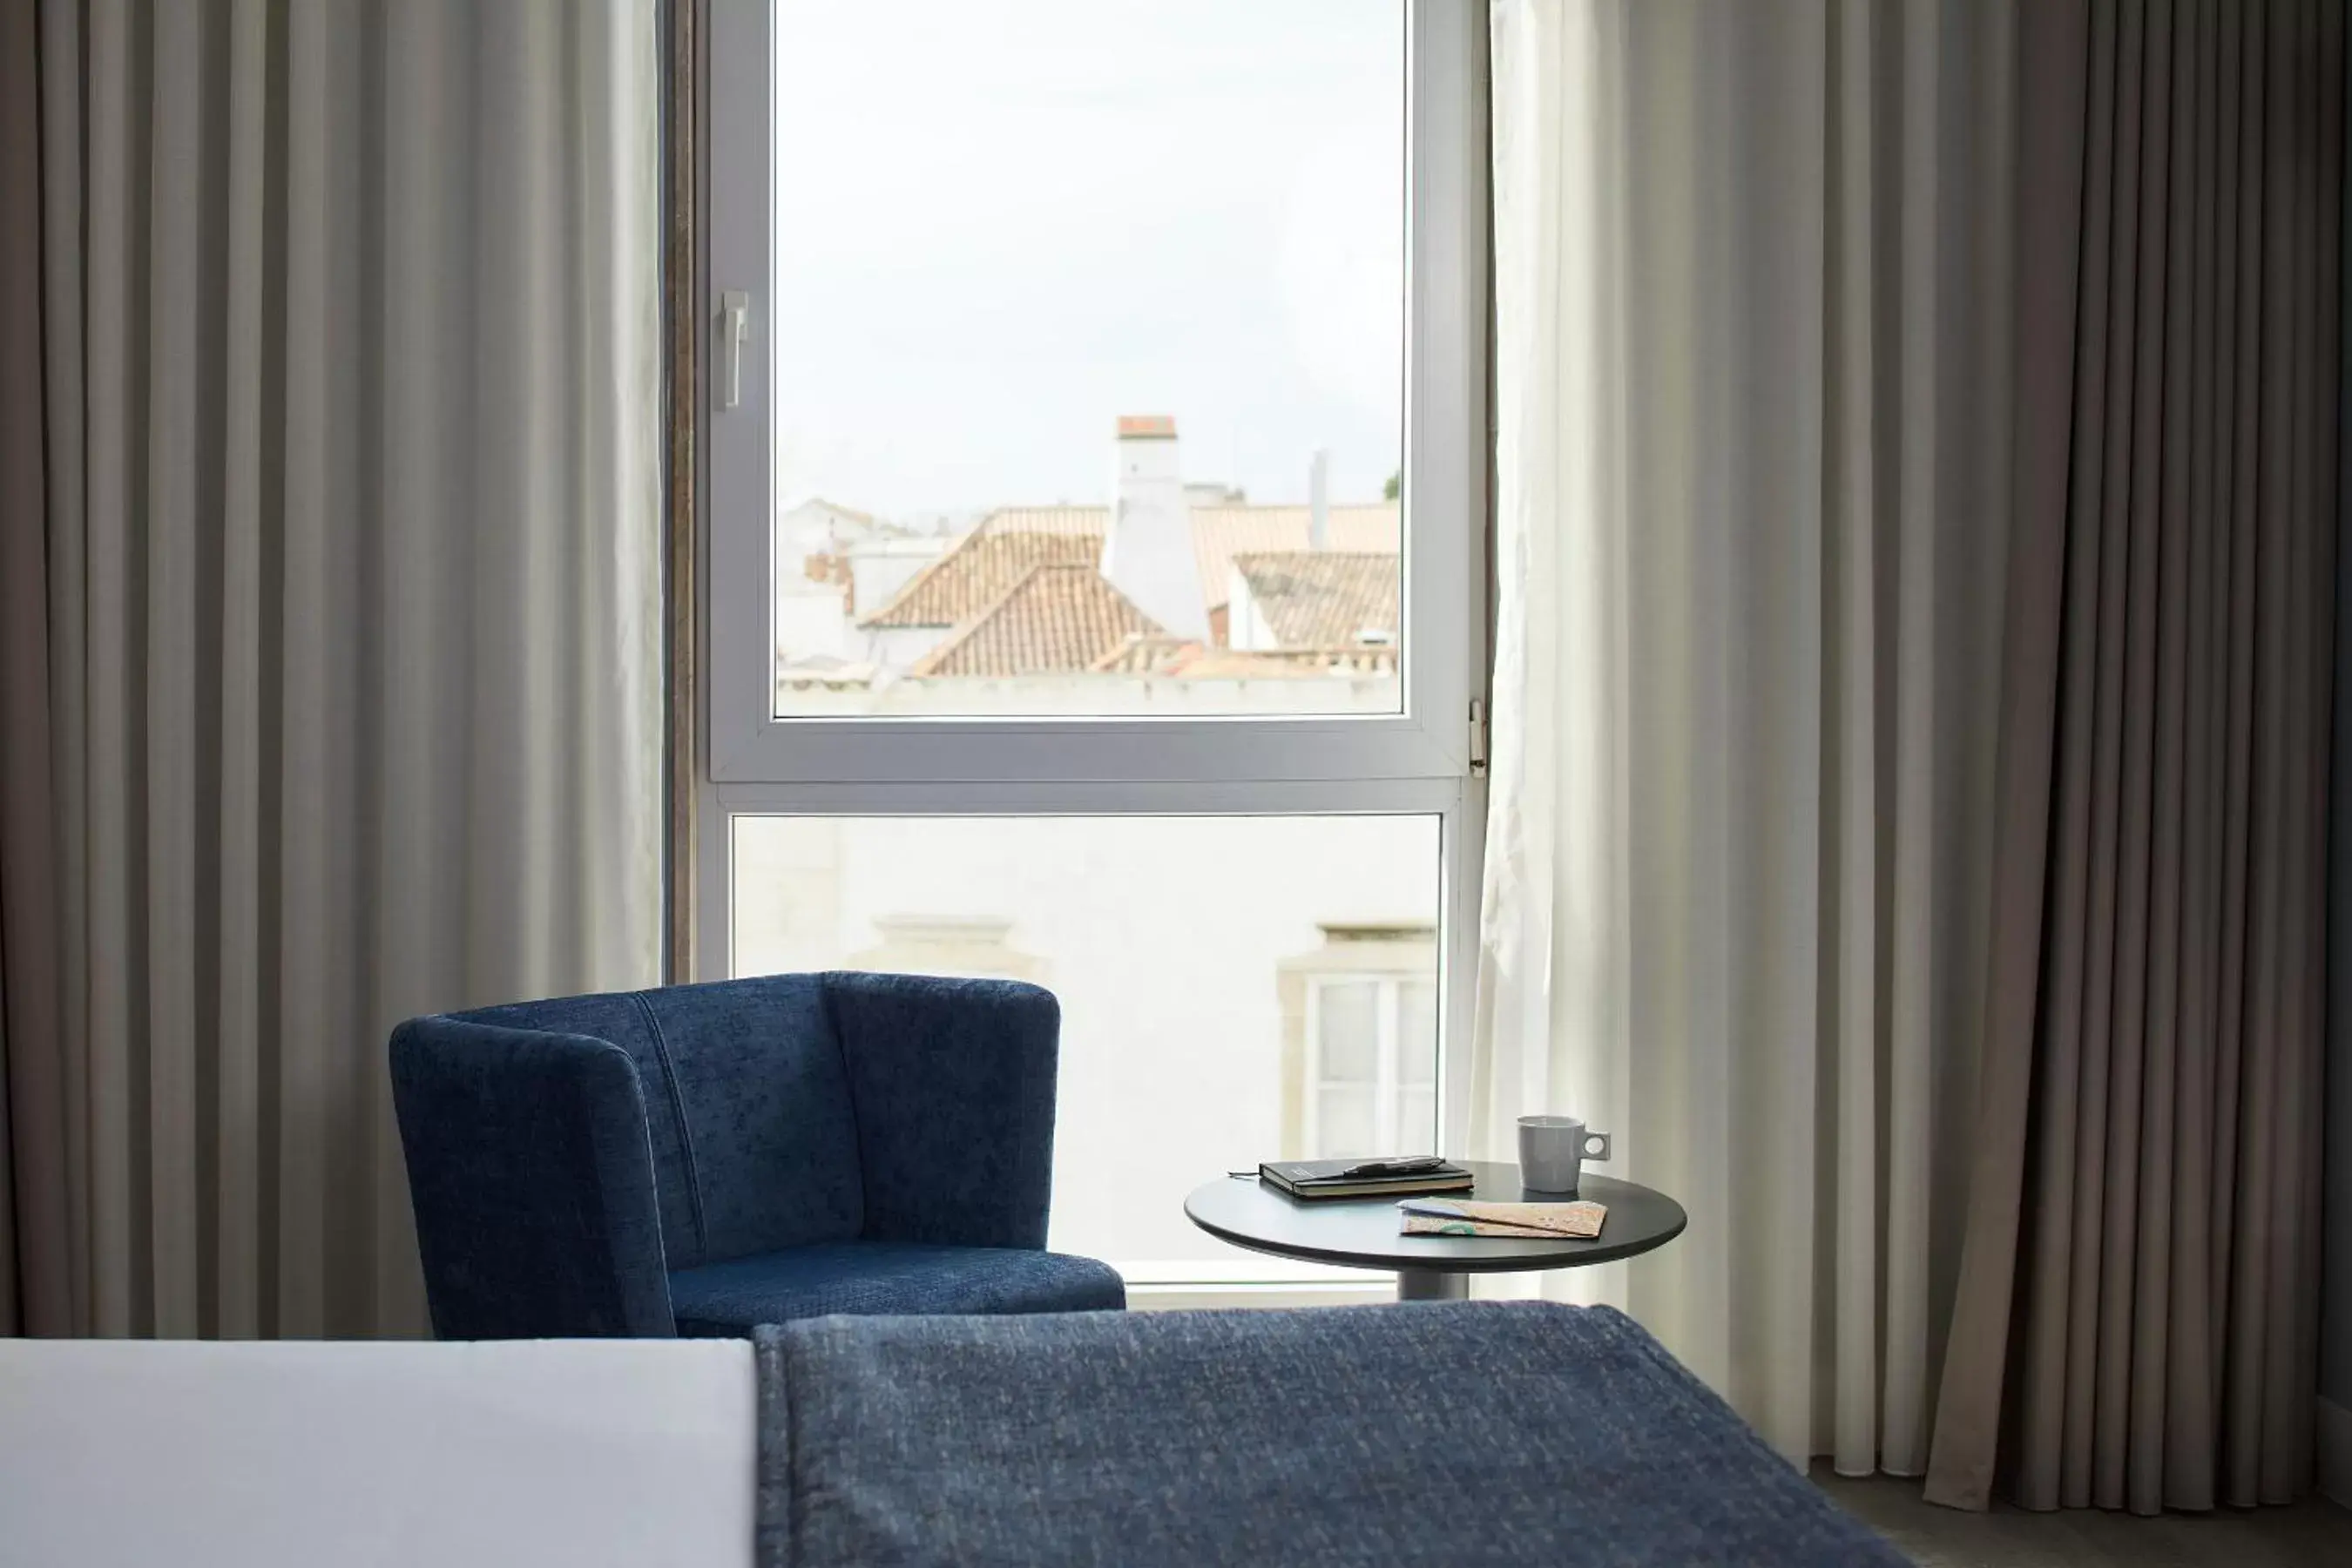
1331 1179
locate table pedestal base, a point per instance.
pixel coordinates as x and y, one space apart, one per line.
1431 1285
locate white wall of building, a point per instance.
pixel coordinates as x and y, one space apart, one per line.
898 647
1093 696
817 621
812 622
1246 627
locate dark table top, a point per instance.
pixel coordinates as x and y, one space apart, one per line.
1361 1233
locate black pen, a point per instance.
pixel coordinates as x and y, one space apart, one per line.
1412 1167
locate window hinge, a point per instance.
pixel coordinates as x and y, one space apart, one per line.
734 327
1477 737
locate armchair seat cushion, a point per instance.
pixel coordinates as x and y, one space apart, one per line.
894 1278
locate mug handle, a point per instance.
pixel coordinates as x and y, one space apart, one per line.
1592 1138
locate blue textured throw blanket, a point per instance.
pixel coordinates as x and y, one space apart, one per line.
1453 1433
1450 1432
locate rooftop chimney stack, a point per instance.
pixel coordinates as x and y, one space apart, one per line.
1318 501
1148 548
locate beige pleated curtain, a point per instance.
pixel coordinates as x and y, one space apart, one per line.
1915 485
1753 277
331 612
2142 1263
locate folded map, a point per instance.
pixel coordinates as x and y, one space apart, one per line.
1457 1216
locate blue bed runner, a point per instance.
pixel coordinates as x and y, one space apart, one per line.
1457 1433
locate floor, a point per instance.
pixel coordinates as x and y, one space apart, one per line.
2311 1534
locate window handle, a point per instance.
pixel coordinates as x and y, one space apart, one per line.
734 327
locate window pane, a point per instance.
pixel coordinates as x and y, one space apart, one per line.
1087 331
1350 1030
1182 949
1344 1124
1417 1032
1417 1122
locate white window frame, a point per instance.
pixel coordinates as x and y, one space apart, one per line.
1425 759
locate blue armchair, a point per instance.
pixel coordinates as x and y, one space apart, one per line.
700 1159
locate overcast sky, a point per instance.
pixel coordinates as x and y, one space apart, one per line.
1000 223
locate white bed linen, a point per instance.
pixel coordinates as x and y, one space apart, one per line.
323 1455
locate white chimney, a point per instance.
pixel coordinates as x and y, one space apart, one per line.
1148 548
1319 501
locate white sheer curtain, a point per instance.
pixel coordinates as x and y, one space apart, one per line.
1752 292
352 412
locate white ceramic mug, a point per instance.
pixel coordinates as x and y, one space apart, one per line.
1552 1151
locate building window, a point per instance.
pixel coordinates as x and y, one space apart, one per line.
1097 500
1360 1022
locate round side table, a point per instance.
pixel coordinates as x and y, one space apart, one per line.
1361 1233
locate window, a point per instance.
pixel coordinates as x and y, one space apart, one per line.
1361 1016
1095 443
1178 946
1087 349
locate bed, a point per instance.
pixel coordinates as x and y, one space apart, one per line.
1457 1433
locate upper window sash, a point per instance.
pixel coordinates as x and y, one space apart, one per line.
1444 484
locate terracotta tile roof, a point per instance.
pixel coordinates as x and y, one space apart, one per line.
1012 540
1057 619
1222 532
1150 427
1324 598
977 569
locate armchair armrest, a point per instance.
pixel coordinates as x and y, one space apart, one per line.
953 1084
533 1183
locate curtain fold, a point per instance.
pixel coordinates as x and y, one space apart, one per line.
2142 1263
352 410
35 1267
1754 283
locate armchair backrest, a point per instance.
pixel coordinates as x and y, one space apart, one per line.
748 1112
